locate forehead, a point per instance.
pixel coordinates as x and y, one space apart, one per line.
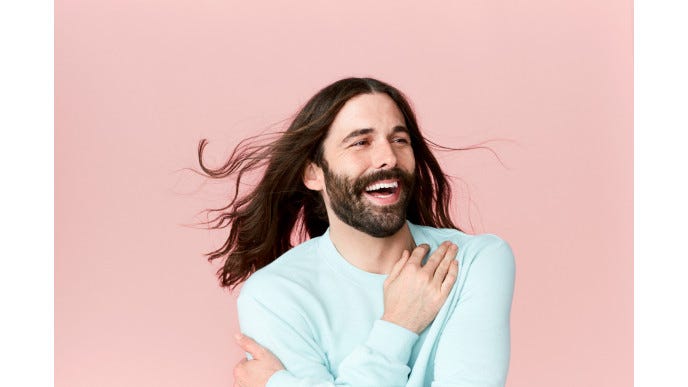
376 111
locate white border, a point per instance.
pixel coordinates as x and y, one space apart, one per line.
27 201
661 193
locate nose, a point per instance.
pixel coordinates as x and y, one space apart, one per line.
384 156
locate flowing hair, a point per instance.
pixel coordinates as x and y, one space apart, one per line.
263 223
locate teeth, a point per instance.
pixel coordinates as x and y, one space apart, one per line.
378 186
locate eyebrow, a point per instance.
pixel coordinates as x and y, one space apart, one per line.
361 132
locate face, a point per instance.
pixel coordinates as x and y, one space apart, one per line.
368 169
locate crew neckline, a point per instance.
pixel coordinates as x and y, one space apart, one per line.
343 267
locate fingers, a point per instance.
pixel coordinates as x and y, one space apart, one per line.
445 263
436 258
398 266
418 253
239 371
249 345
449 280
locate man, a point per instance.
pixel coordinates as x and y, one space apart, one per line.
375 297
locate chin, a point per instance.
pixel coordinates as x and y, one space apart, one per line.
382 226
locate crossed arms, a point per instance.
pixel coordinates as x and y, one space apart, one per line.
466 345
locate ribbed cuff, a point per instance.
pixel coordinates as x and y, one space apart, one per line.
281 378
392 341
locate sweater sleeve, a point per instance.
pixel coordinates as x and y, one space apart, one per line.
380 361
474 346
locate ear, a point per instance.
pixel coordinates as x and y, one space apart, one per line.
313 177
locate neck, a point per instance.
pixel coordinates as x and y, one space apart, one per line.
368 253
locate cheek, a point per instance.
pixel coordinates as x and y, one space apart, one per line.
409 161
352 167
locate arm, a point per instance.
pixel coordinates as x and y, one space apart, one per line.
474 346
382 359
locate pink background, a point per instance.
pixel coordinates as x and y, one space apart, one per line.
139 83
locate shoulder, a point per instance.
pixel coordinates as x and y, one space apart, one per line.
473 243
488 245
286 274
486 265
472 248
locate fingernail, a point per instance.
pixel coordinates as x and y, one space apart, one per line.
238 336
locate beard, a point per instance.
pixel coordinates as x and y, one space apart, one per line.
349 205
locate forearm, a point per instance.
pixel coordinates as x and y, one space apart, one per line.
382 359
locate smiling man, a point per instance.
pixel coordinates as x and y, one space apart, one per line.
385 291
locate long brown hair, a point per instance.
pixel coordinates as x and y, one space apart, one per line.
263 223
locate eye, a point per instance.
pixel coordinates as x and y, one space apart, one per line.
359 143
401 140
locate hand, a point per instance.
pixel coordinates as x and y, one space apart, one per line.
414 294
255 372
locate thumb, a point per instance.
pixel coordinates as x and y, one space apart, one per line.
249 345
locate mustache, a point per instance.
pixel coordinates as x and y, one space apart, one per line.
406 179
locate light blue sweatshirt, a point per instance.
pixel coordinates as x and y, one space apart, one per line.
320 316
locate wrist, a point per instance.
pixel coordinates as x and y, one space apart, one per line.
391 340
404 323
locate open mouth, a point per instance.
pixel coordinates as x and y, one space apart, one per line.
383 192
